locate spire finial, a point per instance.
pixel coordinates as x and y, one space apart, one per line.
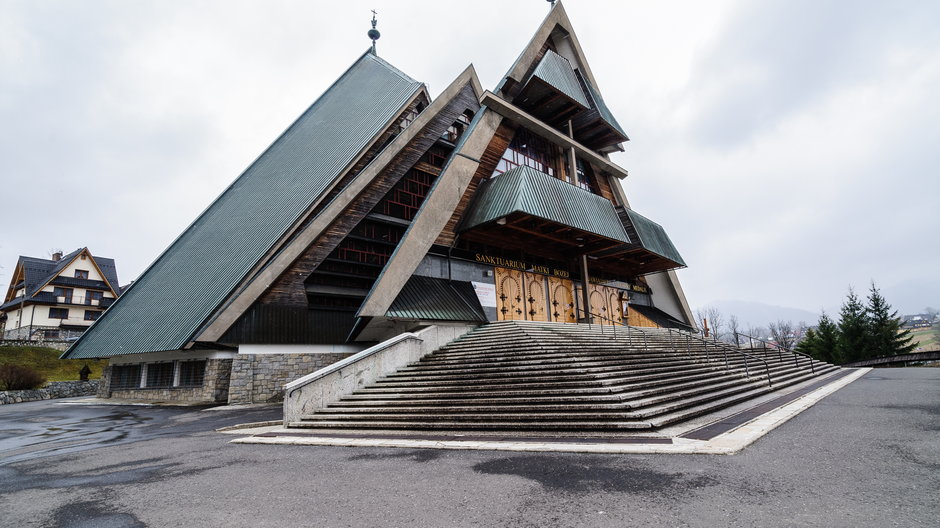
551 2
374 33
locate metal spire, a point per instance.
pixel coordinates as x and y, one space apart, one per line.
374 33
551 2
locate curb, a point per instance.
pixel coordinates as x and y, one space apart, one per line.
727 443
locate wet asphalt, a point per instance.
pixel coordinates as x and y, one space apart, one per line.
867 455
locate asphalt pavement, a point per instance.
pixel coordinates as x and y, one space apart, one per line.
867 455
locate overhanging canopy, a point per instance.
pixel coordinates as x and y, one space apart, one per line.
531 192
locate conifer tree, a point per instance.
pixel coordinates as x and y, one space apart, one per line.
827 340
853 342
820 343
884 326
808 344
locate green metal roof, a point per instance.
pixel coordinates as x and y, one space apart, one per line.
165 307
434 299
527 190
556 71
653 237
602 109
660 317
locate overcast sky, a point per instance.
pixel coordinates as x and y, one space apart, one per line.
789 148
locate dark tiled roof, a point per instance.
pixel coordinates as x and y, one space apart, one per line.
433 299
174 297
79 283
39 271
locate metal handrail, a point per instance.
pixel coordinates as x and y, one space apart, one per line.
812 362
726 347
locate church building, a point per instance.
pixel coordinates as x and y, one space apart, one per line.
381 210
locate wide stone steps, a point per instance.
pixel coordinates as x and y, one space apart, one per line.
628 396
519 376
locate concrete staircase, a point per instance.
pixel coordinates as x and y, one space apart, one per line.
519 376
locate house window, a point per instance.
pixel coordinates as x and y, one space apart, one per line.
159 375
58 313
92 315
93 298
125 377
63 295
192 373
81 274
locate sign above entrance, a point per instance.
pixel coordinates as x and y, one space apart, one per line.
551 271
520 265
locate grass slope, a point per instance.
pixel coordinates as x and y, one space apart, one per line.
47 362
926 339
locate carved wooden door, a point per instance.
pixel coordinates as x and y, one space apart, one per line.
535 297
598 299
615 301
561 292
510 304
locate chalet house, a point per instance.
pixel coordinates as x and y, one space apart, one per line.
917 321
58 298
380 211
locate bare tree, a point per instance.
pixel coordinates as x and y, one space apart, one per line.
733 329
799 332
716 320
782 333
710 317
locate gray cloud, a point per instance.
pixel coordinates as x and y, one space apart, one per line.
789 148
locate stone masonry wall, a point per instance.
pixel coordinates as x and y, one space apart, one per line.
214 389
58 345
261 378
55 389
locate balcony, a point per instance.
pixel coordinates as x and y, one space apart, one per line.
84 301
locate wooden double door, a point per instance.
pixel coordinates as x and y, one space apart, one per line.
522 296
608 305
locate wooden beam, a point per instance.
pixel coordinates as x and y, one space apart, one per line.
514 113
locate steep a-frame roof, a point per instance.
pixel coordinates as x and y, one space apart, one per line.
35 273
171 300
536 61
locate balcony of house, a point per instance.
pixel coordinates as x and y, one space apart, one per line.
101 302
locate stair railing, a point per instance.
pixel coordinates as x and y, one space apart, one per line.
780 351
724 347
727 347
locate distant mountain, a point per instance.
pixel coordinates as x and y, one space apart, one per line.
760 314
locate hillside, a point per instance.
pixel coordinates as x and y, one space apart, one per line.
47 362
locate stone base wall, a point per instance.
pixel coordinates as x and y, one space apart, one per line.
214 389
55 389
58 345
261 378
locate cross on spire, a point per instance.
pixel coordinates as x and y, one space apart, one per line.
374 33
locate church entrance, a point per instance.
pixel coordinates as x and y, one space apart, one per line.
523 296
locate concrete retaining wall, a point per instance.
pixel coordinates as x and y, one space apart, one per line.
261 378
327 385
55 389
